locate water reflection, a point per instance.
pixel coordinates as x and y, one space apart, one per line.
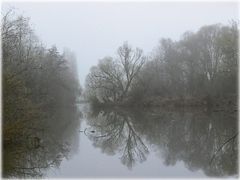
191 136
115 132
45 146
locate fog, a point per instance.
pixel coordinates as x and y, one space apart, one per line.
96 29
120 89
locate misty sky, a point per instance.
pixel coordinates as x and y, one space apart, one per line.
96 29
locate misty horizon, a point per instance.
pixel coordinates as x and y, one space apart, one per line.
136 90
96 29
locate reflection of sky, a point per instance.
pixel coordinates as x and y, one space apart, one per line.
91 162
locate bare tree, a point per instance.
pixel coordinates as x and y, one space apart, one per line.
111 80
131 61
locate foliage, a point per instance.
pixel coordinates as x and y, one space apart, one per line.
38 83
202 65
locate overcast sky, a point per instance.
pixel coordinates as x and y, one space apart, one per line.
96 29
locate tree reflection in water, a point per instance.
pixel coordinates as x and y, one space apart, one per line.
58 138
116 133
191 136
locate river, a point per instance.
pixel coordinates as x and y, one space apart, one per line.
152 143
134 143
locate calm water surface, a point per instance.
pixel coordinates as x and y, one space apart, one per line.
151 143
135 143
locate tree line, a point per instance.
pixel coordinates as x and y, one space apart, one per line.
38 83
198 69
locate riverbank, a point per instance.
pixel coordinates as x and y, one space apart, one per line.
223 103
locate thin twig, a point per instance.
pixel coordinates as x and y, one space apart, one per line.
227 141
